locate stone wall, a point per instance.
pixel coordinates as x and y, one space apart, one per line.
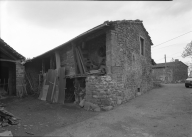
127 71
20 75
128 66
180 71
104 91
67 59
12 80
175 72
159 74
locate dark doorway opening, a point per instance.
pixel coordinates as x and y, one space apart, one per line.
8 77
4 76
69 91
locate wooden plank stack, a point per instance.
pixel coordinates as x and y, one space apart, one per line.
6 118
53 89
80 61
62 85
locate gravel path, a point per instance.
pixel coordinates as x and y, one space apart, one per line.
162 112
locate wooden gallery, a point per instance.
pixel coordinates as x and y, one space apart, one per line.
106 65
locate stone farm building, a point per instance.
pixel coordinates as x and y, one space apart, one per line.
111 61
11 69
170 72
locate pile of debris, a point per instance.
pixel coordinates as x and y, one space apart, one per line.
6 118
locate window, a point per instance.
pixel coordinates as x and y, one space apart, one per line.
142 46
133 57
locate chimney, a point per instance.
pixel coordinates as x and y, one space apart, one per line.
176 60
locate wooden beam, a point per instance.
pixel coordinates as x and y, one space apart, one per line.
43 66
58 61
78 61
50 63
10 60
74 56
8 53
82 58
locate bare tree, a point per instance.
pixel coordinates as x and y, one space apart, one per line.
187 51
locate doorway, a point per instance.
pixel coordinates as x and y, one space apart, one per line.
69 91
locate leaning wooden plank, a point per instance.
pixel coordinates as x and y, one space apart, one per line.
56 92
53 90
29 81
32 81
62 84
82 59
44 90
78 61
51 82
48 77
41 91
75 59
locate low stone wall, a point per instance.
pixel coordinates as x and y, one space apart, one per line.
104 91
67 60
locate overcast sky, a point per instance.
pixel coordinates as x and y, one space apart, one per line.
34 27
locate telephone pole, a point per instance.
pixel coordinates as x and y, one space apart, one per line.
165 70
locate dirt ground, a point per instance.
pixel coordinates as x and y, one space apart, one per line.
162 112
39 117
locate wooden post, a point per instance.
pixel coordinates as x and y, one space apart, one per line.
43 66
82 58
50 59
165 70
78 61
57 58
74 55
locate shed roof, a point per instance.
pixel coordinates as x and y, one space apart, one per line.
168 64
10 50
95 29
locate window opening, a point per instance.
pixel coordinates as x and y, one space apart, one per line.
142 46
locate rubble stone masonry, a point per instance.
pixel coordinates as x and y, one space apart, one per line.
127 70
67 60
20 70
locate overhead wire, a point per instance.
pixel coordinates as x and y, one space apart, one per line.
165 47
172 39
171 45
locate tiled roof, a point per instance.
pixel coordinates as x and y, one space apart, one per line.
10 49
101 26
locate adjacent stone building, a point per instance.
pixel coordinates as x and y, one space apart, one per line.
112 61
11 69
171 72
